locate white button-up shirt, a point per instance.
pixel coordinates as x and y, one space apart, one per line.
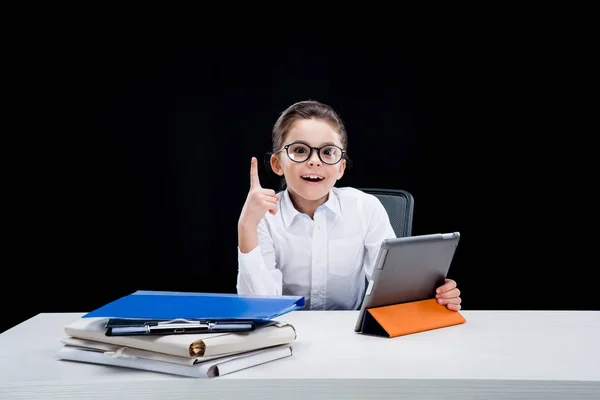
326 260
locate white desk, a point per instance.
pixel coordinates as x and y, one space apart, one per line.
496 354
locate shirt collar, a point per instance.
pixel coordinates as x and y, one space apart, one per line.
289 212
333 202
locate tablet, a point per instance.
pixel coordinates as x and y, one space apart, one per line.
408 269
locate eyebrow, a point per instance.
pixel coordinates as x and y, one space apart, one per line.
321 145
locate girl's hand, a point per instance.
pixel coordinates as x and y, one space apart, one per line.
449 295
259 200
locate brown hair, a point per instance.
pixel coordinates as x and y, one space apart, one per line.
308 109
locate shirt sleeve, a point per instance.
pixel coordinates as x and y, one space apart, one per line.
257 269
379 229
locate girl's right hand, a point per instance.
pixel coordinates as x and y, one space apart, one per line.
259 200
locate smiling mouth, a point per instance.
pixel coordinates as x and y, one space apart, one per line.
312 178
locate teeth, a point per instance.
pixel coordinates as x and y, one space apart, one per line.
312 176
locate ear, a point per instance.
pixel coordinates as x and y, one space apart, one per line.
276 165
341 169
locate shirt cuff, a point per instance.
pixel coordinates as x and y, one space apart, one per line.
251 261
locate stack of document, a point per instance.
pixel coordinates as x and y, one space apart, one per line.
202 352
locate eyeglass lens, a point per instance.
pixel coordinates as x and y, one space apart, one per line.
300 152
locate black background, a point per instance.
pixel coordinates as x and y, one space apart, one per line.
129 162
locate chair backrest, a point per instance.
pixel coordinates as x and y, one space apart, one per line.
399 205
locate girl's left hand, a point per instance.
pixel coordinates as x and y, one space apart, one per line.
449 295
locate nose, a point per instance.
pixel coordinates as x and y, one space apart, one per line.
314 159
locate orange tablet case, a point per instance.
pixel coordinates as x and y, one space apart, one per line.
407 318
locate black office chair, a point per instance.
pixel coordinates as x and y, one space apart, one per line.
399 205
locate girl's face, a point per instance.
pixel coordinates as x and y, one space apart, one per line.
311 179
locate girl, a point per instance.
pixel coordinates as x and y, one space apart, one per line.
313 239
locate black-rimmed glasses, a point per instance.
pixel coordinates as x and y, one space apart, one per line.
300 152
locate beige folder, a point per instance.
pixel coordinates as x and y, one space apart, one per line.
114 350
196 345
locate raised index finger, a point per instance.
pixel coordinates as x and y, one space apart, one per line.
254 182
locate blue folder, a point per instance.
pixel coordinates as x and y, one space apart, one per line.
158 305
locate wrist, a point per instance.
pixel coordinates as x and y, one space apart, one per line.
246 226
247 236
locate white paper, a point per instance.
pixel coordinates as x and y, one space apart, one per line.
208 369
